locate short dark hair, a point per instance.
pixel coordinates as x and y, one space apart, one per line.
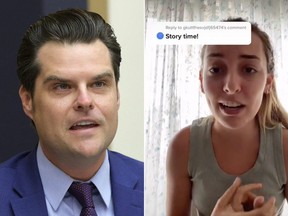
65 26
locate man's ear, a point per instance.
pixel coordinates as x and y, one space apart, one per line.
27 102
118 98
201 80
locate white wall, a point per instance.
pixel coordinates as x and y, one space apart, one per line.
127 19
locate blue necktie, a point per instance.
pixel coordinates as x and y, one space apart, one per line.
83 193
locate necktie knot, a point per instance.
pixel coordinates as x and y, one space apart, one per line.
83 193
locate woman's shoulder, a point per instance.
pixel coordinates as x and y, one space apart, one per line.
285 149
285 142
285 135
180 142
178 156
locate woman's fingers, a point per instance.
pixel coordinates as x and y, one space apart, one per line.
227 197
244 198
239 201
258 202
267 209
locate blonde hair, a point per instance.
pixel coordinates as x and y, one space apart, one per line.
271 111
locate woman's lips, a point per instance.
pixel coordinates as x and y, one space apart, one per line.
231 108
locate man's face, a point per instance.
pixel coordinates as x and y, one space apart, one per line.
76 101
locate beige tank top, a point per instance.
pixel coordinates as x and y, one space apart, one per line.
210 181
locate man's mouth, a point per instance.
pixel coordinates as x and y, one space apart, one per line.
84 125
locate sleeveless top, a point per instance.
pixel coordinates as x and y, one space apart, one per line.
210 181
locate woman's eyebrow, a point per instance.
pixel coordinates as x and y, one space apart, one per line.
211 55
249 57
245 56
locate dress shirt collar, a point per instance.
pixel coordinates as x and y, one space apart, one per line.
56 183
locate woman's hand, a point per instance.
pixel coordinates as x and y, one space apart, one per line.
240 201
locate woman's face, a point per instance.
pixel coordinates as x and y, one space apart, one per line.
234 79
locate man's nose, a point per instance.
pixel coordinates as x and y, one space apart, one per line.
84 101
232 84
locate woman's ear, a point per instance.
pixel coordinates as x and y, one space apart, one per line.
269 83
27 102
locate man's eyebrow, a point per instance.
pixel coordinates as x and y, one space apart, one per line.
106 74
55 78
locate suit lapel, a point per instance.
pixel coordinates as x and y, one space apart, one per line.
126 199
30 206
28 187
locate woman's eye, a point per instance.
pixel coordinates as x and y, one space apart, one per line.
250 70
214 70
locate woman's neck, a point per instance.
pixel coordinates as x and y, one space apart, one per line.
244 134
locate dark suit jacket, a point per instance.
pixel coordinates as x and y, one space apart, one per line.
22 194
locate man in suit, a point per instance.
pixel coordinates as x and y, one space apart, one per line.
68 66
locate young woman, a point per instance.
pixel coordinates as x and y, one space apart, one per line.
245 137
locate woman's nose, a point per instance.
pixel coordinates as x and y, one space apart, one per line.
232 84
